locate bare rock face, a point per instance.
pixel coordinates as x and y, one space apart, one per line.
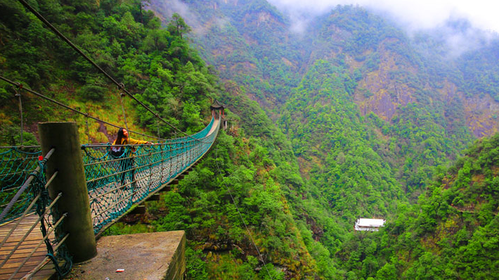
383 90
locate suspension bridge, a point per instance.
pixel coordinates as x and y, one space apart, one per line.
58 198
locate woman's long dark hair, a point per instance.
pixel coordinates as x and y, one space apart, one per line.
119 137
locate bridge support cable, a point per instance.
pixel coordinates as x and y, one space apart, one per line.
71 109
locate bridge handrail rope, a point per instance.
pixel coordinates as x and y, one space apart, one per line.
121 86
35 189
116 182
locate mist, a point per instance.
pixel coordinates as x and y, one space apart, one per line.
421 14
437 16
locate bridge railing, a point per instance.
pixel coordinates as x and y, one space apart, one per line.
16 165
116 182
24 192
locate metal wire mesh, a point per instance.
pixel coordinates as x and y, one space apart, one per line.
116 182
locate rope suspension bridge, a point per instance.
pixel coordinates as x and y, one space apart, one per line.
36 192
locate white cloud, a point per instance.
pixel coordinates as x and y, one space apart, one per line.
414 16
421 14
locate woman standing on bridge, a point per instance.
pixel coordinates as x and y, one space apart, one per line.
127 163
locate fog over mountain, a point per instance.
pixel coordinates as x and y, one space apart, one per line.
413 14
481 23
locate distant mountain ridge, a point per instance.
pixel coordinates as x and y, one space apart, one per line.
253 38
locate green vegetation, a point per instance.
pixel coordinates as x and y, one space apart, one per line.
370 115
234 200
352 119
123 39
449 234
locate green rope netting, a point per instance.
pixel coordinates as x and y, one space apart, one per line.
60 258
16 164
115 182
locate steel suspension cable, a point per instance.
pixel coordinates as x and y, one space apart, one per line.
69 108
123 110
120 85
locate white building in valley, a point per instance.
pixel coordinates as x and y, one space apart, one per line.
369 224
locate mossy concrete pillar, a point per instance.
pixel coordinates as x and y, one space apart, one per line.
70 180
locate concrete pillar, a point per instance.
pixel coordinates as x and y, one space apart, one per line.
70 180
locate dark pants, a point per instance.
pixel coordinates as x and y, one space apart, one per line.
127 164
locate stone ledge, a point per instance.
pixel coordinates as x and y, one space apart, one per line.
151 256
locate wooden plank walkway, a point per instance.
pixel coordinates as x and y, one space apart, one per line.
24 250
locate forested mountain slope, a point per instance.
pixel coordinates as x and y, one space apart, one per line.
248 42
371 113
253 43
416 103
451 233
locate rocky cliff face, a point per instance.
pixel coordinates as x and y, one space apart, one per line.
380 92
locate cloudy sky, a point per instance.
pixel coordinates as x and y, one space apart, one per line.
412 14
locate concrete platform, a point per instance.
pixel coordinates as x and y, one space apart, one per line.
151 256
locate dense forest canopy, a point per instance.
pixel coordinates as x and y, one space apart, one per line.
353 118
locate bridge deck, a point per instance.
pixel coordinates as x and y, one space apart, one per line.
24 251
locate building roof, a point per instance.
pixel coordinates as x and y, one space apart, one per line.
369 224
216 105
